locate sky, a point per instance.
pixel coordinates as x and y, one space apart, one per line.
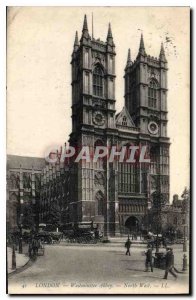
39 46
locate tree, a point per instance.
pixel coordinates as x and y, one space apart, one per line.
186 193
28 219
186 198
56 213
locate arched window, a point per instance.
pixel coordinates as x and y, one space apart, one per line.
27 181
152 94
99 203
13 182
98 81
101 161
37 182
124 121
98 142
132 102
13 214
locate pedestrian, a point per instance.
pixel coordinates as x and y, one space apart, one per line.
35 246
169 263
164 242
128 245
149 259
174 268
40 244
30 248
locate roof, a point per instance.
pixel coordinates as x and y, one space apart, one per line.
124 113
26 162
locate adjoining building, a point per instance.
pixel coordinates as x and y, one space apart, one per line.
175 217
23 191
54 195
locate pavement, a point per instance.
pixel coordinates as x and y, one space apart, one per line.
21 260
92 269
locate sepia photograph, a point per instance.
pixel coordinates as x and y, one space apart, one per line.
98 150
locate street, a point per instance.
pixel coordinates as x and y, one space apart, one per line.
102 269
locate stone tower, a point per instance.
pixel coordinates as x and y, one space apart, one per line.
146 101
93 81
93 123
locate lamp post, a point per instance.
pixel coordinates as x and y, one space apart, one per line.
156 205
136 228
185 195
20 237
185 240
157 244
35 214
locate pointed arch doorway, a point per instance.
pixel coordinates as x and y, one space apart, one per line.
132 224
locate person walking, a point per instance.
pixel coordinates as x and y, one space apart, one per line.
164 242
34 246
173 265
149 259
128 245
30 248
169 264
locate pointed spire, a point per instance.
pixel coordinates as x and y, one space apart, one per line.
129 55
110 37
142 48
85 26
129 62
85 33
109 32
76 43
162 54
92 27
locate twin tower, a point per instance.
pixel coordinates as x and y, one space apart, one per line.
93 81
109 195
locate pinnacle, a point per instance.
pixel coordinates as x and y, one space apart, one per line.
85 33
142 42
129 55
76 43
109 32
85 26
142 48
129 62
162 54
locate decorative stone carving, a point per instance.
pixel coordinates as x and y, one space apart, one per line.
99 178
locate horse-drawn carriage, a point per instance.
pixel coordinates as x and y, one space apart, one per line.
155 240
49 237
81 237
84 233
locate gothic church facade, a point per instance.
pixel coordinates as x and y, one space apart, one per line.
117 196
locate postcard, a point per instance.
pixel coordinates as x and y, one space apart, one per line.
98 150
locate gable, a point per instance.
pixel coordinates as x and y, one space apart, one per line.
123 119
